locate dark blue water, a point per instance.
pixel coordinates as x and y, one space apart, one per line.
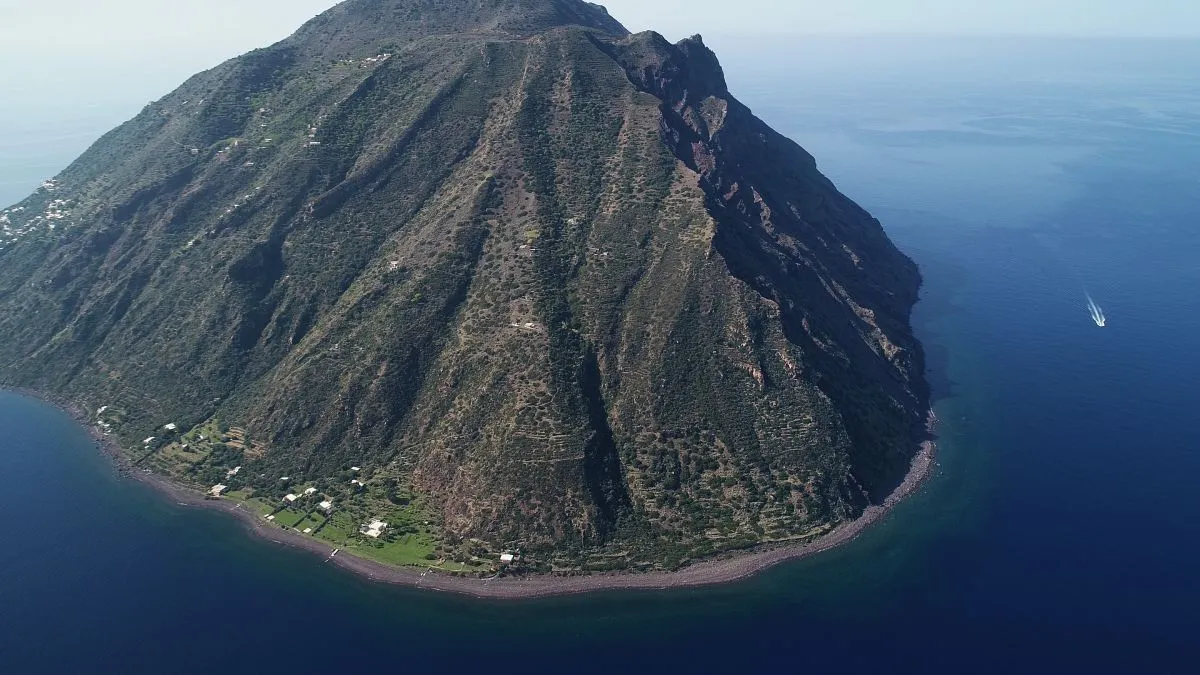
1059 536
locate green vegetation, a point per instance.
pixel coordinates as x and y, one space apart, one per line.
288 518
561 296
408 550
260 506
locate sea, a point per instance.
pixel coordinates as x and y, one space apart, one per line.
1059 535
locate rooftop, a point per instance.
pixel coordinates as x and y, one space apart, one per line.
375 529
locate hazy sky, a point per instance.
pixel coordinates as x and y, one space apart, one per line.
201 32
218 26
72 69
120 54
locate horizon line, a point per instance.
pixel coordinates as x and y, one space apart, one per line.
1188 37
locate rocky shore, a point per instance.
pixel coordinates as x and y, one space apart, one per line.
732 567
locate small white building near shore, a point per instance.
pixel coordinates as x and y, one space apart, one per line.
374 529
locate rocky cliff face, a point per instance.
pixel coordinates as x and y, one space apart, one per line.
546 284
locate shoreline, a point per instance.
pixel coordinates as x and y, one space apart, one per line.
728 568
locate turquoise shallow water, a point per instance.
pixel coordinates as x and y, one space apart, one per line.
1058 535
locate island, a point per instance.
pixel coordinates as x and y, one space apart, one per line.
477 295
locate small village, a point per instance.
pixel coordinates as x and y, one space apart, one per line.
362 510
42 211
18 221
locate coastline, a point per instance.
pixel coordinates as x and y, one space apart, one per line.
732 567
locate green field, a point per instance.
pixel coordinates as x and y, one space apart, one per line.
341 529
288 517
408 550
259 506
338 529
312 520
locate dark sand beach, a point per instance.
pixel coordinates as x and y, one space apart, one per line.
727 568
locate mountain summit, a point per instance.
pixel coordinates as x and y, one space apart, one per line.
451 279
352 27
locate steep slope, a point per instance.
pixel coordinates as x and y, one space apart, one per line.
547 286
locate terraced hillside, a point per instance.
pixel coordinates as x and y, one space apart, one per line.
499 269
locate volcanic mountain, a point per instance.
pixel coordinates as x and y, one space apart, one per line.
495 272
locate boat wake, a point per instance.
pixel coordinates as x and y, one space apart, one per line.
1096 312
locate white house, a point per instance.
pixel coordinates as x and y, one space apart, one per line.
374 529
171 427
310 491
507 557
290 498
216 490
326 505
